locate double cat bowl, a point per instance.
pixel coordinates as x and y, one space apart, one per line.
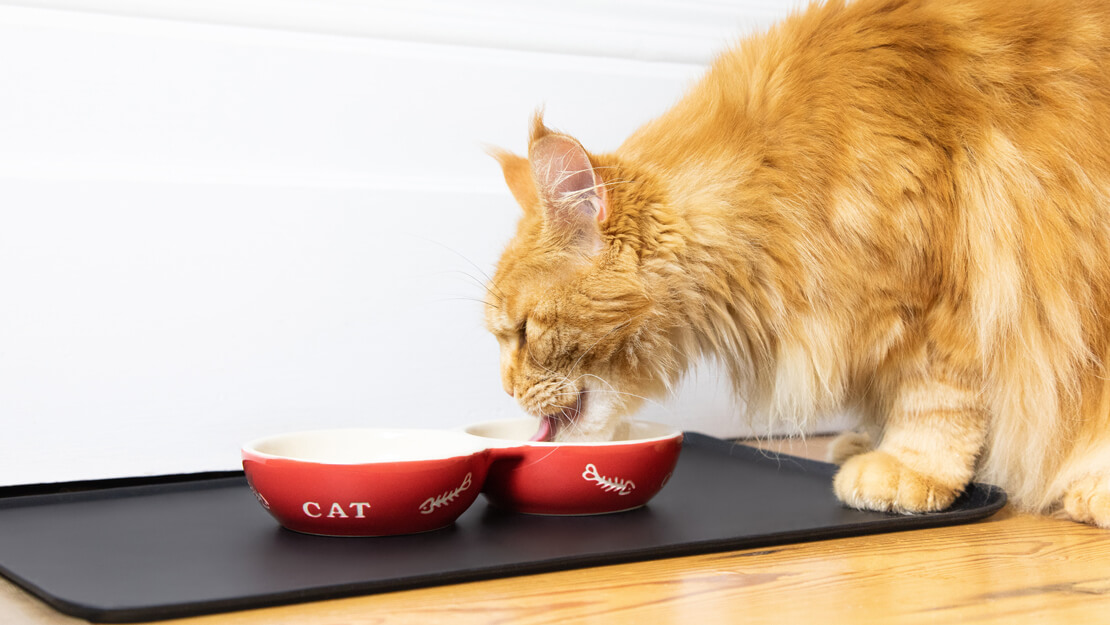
380 482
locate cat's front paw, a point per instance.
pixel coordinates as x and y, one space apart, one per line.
1088 501
878 481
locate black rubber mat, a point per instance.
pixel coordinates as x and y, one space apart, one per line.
163 549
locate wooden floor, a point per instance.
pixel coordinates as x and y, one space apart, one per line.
1011 568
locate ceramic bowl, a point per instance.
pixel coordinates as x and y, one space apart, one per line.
576 478
381 482
366 482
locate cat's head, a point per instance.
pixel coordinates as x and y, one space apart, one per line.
575 312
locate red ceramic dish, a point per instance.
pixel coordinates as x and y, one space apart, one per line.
366 482
577 478
379 482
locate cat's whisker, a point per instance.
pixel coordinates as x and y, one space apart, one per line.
489 279
613 391
540 365
573 197
468 299
613 183
476 281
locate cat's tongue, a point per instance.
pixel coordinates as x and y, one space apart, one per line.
546 433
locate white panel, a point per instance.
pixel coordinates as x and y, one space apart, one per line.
210 232
688 31
157 340
127 98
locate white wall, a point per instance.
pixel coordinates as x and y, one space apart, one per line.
225 219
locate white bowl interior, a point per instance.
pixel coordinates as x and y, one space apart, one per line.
369 445
518 430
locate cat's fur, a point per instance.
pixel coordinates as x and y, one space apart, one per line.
899 206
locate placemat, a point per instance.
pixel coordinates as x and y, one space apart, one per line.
162 548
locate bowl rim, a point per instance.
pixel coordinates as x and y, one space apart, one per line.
475 444
672 432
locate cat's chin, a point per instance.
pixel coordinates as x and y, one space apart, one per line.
595 419
554 429
609 430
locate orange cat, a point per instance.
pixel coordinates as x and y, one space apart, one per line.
897 206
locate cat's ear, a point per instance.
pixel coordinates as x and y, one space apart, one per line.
518 176
573 196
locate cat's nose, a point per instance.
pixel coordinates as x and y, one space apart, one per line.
510 392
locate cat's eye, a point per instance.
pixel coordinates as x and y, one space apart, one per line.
522 334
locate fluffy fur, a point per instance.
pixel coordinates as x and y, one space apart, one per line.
899 206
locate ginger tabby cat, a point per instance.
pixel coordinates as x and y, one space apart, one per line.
898 206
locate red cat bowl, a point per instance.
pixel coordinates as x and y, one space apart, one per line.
366 482
576 478
381 482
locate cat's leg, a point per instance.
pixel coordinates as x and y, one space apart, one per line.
1088 500
930 442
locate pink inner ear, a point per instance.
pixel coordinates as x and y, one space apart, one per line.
566 179
600 204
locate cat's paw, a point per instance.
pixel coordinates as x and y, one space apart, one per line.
1088 501
848 445
878 481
